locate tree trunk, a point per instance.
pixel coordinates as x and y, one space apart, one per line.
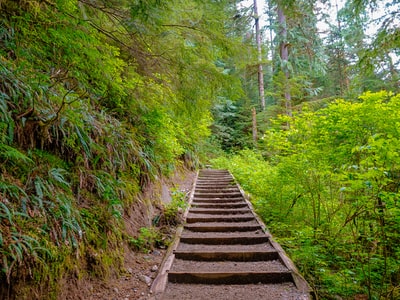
254 118
343 78
260 67
284 55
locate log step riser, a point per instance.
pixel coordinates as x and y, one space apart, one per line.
229 278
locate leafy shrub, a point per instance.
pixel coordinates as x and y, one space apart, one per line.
147 239
327 188
173 211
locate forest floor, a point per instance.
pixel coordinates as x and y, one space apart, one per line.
140 268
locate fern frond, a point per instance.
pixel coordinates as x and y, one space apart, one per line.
10 154
5 213
57 174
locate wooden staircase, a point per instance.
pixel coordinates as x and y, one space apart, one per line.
224 246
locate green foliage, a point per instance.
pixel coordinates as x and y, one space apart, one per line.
174 210
327 187
96 100
146 240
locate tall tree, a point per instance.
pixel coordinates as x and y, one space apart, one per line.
299 59
284 56
259 51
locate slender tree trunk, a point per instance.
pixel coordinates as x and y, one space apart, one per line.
271 33
343 79
260 67
284 55
254 118
394 75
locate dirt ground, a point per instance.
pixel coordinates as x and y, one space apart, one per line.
140 268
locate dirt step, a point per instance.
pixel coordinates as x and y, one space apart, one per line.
218 218
215 183
227 189
213 171
219 211
217 200
217 186
224 266
223 227
264 247
215 176
223 234
229 277
236 255
210 181
280 291
217 195
220 174
224 240
219 205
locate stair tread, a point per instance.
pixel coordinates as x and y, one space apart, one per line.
217 234
206 267
276 291
203 247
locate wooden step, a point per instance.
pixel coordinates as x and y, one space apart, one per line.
217 182
226 255
220 205
263 247
213 195
219 211
227 189
216 200
223 227
229 277
218 218
227 240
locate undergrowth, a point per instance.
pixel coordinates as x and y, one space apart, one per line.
328 189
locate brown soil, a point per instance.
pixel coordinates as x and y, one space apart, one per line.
255 247
226 266
283 291
130 285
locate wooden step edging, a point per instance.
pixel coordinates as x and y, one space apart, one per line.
204 227
230 277
235 240
227 255
160 282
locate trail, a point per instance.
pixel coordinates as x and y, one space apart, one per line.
225 252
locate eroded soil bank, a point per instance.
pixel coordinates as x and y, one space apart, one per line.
139 268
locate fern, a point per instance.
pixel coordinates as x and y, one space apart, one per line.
11 190
84 140
5 213
11 155
58 176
